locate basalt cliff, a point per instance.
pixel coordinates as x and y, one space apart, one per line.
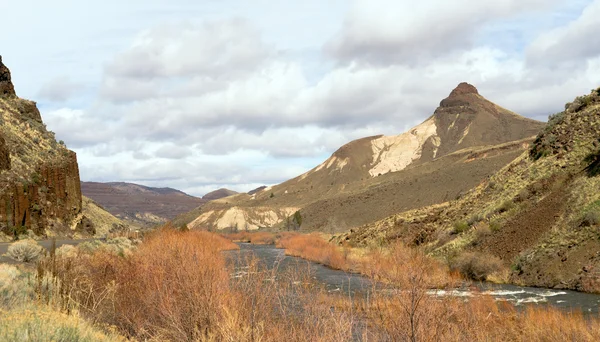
40 191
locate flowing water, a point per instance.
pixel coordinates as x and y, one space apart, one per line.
352 284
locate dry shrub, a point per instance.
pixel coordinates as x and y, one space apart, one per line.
477 266
25 251
177 287
312 247
400 264
258 238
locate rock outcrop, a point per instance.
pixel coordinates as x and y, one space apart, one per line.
6 86
39 178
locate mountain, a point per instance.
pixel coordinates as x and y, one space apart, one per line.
39 177
466 139
539 215
141 205
217 194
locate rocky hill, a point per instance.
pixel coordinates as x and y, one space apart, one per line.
217 194
539 215
466 139
39 177
138 204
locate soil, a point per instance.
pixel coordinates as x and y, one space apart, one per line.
524 229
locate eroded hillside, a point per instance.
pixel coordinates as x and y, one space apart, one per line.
540 214
467 139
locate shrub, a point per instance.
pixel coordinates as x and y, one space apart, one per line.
482 231
476 266
593 161
505 206
460 226
474 219
495 226
591 218
25 251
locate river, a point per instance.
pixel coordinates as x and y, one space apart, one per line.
352 284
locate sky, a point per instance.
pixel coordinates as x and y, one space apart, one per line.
199 95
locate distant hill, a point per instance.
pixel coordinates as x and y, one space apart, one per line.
220 193
539 215
467 139
140 204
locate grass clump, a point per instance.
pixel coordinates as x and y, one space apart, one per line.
476 266
505 206
591 218
25 251
460 226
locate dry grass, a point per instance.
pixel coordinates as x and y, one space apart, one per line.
314 248
178 287
41 323
257 238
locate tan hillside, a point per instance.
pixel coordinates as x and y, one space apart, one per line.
39 177
219 193
138 204
540 214
103 221
466 139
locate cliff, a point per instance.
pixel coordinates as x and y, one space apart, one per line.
39 177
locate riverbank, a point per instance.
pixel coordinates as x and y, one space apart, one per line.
177 286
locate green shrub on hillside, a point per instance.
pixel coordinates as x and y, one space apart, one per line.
460 226
505 206
593 161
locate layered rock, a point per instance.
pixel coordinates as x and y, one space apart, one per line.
39 178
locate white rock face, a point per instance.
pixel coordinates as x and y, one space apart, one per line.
395 153
243 218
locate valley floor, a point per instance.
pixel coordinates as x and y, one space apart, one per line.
178 286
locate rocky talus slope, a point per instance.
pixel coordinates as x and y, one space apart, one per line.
466 139
39 177
539 215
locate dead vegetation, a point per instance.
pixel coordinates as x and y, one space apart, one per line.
177 286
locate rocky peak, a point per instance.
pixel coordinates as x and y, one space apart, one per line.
6 86
457 96
464 88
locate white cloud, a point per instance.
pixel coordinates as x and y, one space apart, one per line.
390 31
569 45
199 98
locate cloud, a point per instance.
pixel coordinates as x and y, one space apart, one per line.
217 49
224 102
59 89
570 45
389 32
